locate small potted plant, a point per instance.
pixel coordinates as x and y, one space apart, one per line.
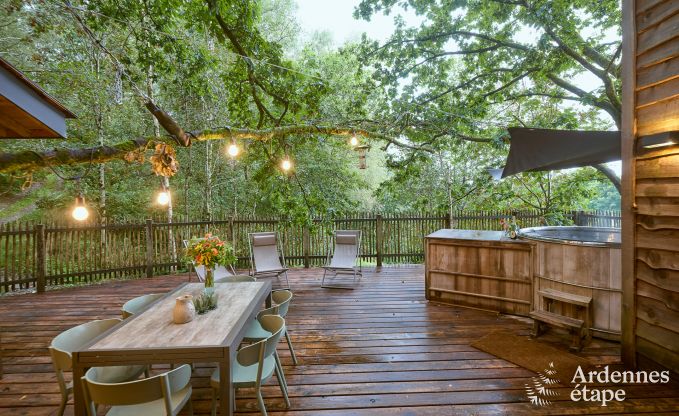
210 252
510 227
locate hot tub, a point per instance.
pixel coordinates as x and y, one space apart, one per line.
582 261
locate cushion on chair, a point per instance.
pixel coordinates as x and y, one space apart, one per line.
346 239
263 240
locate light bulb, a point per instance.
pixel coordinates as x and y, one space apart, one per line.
286 164
353 141
233 150
80 212
163 198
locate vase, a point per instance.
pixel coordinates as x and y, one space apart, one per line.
184 311
209 280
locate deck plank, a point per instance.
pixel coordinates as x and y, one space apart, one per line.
381 349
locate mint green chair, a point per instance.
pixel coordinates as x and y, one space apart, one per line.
256 363
134 306
237 278
70 340
164 394
255 332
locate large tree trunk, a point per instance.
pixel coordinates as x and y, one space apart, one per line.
99 122
207 200
615 180
165 180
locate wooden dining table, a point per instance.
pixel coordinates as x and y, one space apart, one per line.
151 336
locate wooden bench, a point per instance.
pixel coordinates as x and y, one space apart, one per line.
579 327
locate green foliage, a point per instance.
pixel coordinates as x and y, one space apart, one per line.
220 63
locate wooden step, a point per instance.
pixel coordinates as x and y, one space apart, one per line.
566 297
557 320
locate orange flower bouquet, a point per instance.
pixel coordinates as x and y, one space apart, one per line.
210 251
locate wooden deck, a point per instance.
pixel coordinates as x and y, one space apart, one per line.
378 350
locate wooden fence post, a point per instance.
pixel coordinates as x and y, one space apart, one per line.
378 239
149 248
306 246
231 235
40 257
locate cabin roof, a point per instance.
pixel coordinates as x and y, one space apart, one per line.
26 110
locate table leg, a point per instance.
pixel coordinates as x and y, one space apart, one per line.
268 302
78 394
226 393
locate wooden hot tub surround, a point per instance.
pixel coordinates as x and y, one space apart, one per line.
487 270
481 269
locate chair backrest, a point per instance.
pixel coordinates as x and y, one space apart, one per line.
282 300
65 343
146 390
133 306
347 246
219 272
239 278
257 352
264 253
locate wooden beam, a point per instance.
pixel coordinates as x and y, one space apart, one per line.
627 205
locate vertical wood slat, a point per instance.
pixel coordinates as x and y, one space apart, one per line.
40 257
378 239
149 248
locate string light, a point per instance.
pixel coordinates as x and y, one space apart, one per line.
80 212
286 164
163 197
353 141
233 150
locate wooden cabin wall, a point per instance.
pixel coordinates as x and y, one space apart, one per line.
656 184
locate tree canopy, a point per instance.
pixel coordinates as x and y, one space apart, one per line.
433 101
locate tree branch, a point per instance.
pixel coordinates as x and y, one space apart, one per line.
607 172
31 160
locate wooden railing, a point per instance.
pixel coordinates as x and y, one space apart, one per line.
36 255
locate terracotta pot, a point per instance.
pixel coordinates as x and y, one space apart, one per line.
184 311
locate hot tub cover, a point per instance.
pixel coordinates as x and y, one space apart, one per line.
546 149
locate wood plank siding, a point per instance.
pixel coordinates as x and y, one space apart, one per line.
653 311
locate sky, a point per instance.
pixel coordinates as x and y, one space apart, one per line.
336 16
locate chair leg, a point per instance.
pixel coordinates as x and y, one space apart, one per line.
292 350
287 283
62 406
284 390
213 407
280 368
325 271
260 400
189 407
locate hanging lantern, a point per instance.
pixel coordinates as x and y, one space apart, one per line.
362 152
80 212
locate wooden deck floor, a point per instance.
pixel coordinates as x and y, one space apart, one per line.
378 350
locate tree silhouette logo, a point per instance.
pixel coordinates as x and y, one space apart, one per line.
541 390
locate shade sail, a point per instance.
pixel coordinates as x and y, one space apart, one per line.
545 149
